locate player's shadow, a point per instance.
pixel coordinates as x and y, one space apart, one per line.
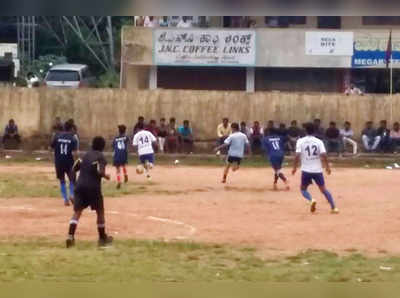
244 189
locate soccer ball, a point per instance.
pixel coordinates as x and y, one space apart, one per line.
139 170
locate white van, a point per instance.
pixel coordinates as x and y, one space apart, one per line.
69 76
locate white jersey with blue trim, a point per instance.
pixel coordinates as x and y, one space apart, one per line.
310 148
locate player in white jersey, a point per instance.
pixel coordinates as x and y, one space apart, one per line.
237 143
144 142
310 151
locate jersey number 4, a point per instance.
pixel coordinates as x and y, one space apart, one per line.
312 150
121 145
64 149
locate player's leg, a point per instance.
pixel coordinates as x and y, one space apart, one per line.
118 172
71 180
319 180
236 166
226 169
60 172
125 173
306 180
104 239
73 223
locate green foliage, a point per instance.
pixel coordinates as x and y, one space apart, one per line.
109 79
42 65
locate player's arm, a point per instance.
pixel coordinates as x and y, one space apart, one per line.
154 141
225 145
325 161
101 168
135 143
248 146
297 158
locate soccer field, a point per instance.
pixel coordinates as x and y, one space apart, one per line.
186 225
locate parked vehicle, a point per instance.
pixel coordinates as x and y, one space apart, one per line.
69 76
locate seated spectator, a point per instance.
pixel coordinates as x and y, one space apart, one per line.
353 90
385 144
186 137
184 23
319 131
223 132
346 133
270 125
162 135
150 21
152 127
283 132
164 22
172 137
294 133
333 138
57 126
370 138
244 129
395 137
256 135
11 132
139 122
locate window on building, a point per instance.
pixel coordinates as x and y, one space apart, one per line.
386 20
329 22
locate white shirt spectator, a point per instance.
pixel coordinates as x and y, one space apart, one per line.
346 133
150 22
353 90
184 24
144 140
310 148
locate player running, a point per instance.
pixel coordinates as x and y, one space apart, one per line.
120 155
236 142
65 145
144 142
273 146
88 190
311 151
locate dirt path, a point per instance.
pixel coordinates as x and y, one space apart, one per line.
191 204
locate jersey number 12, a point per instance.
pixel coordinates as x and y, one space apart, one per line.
312 151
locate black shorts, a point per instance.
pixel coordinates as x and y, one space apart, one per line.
86 197
234 159
63 169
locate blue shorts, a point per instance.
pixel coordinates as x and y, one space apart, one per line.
308 178
276 162
147 157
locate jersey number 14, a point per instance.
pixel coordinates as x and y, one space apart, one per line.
64 149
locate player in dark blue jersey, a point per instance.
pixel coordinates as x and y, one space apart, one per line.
64 145
274 147
120 148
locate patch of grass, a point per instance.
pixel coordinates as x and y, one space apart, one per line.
133 260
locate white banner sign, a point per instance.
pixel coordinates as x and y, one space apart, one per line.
330 43
9 48
204 47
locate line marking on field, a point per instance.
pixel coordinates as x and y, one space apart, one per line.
192 229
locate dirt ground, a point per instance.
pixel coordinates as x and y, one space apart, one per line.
190 203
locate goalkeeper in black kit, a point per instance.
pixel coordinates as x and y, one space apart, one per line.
88 192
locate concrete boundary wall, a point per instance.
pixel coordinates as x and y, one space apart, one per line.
99 111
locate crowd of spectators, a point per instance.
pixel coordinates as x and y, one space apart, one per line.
175 138
337 140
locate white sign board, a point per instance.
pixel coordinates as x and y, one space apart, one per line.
204 47
330 43
9 48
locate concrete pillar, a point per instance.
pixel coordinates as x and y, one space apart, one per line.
153 77
250 79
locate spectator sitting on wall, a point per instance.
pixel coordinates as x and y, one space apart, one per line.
74 130
223 132
270 125
244 129
11 132
152 127
172 137
32 80
162 134
346 133
184 23
385 144
370 138
294 133
150 21
140 122
395 136
57 126
186 137
333 138
352 89
164 22
319 131
256 135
